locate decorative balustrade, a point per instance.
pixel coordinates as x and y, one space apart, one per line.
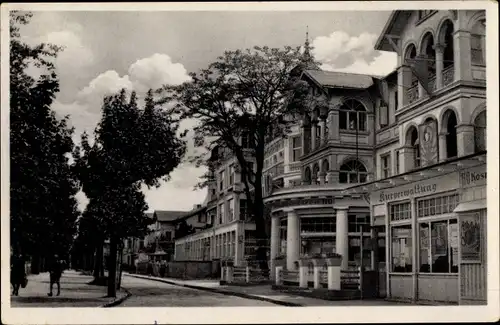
412 94
448 75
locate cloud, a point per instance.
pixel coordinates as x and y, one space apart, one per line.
382 65
341 52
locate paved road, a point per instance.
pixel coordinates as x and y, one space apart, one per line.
147 293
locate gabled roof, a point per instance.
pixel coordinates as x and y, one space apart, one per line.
395 24
168 216
335 79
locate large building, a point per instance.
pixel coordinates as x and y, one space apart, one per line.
229 234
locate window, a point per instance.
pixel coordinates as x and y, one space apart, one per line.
231 210
243 209
437 205
283 234
168 236
317 224
386 165
275 159
478 36
358 223
439 246
231 174
352 172
296 148
396 158
400 211
352 116
480 132
221 181
202 218
221 213
401 249
396 103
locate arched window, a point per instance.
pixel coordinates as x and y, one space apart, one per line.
325 166
414 142
427 50
480 132
352 115
411 53
446 39
450 122
353 171
315 174
478 44
307 175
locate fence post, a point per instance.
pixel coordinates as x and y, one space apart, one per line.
247 274
279 275
303 276
229 274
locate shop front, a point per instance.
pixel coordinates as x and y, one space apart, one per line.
436 230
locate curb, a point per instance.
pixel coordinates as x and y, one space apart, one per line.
118 301
223 292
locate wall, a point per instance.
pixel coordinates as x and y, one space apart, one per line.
186 269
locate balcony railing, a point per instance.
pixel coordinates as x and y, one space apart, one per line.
412 93
448 75
277 170
448 78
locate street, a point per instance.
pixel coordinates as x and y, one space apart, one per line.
147 293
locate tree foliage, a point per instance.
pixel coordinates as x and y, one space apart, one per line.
253 94
132 146
43 205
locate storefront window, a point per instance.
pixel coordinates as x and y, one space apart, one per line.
439 246
317 224
401 250
400 211
437 205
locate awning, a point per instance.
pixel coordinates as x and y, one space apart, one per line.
470 206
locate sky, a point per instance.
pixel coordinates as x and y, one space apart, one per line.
109 50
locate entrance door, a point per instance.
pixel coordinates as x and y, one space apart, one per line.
379 259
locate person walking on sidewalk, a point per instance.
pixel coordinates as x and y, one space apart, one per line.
55 271
17 273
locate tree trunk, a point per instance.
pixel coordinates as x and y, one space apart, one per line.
260 229
98 268
113 249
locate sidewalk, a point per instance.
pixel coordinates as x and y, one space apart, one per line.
263 292
75 292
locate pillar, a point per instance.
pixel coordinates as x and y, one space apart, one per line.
465 139
313 135
333 125
439 48
462 55
316 277
322 178
404 82
292 239
334 281
279 275
342 239
407 159
275 241
330 178
442 146
322 127
229 274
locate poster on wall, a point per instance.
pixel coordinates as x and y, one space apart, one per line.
470 228
429 143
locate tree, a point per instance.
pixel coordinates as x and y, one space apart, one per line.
183 229
42 186
131 147
252 94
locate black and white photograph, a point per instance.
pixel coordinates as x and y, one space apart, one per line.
272 154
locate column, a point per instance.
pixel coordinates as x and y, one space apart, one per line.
292 239
322 177
465 139
442 146
407 161
313 135
421 91
404 82
275 241
439 48
342 238
462 55
370 120
333 125
322 126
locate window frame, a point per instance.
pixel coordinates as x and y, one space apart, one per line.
385 165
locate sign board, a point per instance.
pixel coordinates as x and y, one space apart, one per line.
472 177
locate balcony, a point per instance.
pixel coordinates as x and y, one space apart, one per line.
277 170
448 78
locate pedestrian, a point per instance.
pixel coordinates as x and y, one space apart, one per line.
55 271
17 273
